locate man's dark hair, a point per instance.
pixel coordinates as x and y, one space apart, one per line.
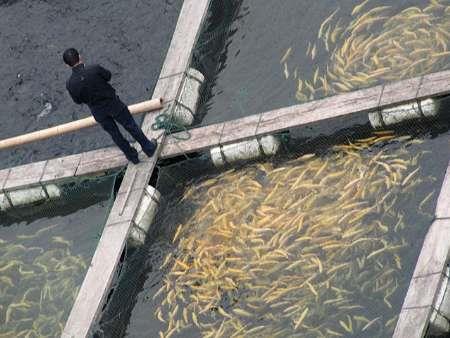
71 57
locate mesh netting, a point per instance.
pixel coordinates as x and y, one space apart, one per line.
45 251
208 55
320 239
259 56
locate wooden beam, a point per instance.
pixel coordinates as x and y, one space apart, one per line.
146 106
97 283
201 138
3 177
429 271
60 168
24 176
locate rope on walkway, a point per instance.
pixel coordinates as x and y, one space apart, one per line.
166 122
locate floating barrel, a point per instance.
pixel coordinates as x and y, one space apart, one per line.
4 203
409 111
186 106
439 321
30 196
144 217
246 150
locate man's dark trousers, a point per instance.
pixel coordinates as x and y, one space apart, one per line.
90 85
124 118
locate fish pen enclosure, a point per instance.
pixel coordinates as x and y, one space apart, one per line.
311 200
129 39
45 251
257 56
320 240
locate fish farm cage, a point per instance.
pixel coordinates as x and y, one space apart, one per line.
319 239
45 252
320 229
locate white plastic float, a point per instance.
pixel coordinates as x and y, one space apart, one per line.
409 111
439 321
144 217
246 150
4 203
186 106
30 196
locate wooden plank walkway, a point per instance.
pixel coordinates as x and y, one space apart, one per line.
99 277
429 272
361 101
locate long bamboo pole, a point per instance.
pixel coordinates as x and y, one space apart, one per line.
137 108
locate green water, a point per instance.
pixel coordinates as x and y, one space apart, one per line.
44 255
201 258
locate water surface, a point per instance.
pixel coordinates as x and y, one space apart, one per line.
45 253
308 244
128 37
263 55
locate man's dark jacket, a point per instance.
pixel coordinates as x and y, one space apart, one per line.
89 85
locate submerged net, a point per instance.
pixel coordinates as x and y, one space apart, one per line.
307 244
314 245
45 251
312 51
320 241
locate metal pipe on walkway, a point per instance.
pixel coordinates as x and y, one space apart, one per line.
138 108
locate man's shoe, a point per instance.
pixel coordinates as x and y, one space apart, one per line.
151 151
133 157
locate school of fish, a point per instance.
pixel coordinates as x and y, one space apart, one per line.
376 46
313 247
37 286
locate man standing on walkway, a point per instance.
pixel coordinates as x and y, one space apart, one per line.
90 85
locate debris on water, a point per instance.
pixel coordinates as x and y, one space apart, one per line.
47 110
19 79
